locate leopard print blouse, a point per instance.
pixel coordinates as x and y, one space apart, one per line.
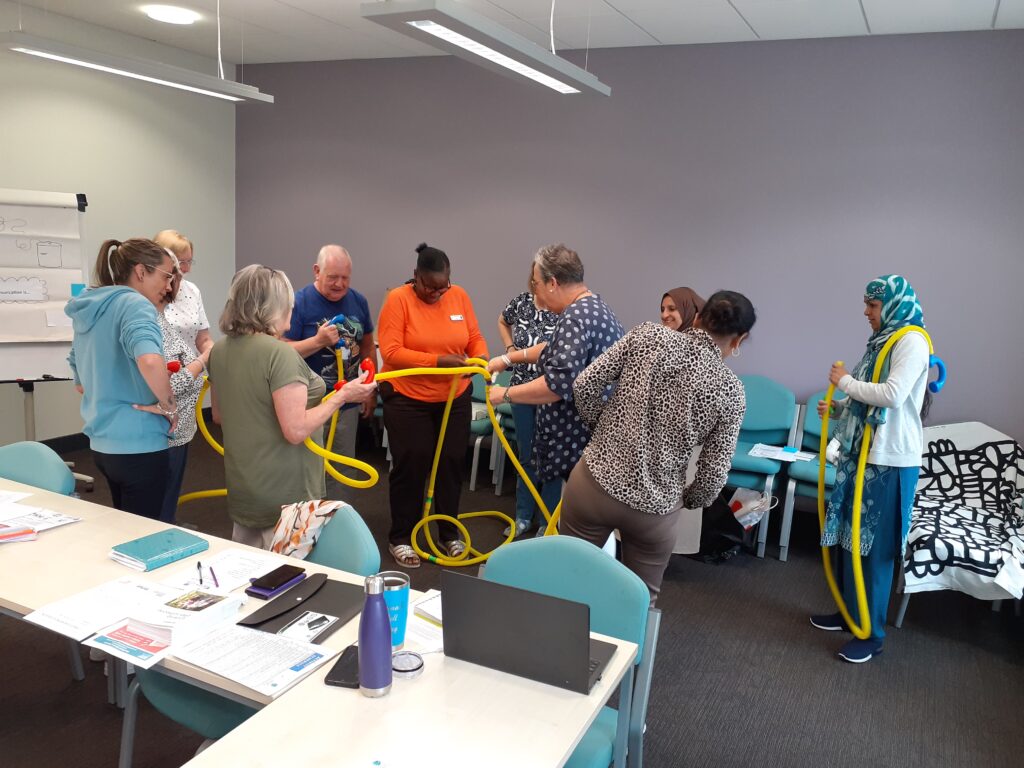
673 392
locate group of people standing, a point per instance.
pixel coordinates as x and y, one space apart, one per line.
605 420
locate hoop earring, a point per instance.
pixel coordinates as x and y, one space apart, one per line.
736 352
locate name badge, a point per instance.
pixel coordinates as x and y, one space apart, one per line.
456 318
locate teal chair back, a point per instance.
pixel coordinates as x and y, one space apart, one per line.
36 464
479 389
346 543
770 411
811 440
619 601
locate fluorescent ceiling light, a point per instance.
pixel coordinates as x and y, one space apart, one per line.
452 27
170 14
137 69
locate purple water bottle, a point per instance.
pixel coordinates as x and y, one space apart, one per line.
374 641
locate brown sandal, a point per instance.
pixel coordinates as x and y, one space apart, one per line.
404 555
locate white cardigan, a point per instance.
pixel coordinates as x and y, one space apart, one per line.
900 441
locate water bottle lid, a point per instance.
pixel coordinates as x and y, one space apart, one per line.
374 585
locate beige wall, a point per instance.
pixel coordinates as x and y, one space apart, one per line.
147 157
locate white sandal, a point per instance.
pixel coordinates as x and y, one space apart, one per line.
404 555
454 548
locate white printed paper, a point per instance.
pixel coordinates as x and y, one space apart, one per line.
226 571
267 663
84 614
34 517
762 451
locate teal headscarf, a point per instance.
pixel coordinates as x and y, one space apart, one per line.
900 308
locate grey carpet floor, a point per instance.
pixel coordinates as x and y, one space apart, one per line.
741 677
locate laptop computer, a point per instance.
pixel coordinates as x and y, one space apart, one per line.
524 633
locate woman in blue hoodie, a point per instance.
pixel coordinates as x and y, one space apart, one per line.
118 364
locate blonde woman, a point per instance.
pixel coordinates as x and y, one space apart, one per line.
267 401
186 315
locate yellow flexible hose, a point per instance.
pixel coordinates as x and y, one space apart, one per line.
861 631
470 556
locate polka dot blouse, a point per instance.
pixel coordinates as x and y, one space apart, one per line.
585 329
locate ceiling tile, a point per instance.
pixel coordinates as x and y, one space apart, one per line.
605 31
1011 14
893 17
693 21
788 19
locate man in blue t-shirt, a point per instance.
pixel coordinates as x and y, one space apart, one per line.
315 339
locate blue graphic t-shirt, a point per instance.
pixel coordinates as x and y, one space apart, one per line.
312 310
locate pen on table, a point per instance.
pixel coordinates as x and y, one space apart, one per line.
214 577
199 567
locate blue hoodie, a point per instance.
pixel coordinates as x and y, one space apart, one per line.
113 326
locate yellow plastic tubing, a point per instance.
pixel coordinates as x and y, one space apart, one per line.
470 556
861 631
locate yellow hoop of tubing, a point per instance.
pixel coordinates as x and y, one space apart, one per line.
470 556
861 631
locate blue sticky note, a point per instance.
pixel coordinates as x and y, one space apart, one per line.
788 449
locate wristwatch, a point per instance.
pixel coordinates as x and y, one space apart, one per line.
507 397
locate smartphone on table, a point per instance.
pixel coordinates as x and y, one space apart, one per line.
345 672
270 584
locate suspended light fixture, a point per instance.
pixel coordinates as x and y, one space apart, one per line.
458 30
137 69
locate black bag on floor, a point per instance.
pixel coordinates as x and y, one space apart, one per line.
721 535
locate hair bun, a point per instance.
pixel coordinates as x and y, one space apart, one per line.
421 247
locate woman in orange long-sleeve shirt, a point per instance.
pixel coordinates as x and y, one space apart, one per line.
428 323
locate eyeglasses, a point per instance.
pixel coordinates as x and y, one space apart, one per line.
186 262
432 290
170 275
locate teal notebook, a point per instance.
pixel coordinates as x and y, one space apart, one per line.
158 549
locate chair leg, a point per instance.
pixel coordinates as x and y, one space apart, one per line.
902 611
75 656
476 463
131 711
499 469
762 531
787 520
620 750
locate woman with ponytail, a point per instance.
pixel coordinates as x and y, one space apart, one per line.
118 365
673 392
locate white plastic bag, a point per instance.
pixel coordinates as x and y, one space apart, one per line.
749 507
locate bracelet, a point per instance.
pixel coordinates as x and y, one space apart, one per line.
167 414
510 346
526 358
507 397
507 360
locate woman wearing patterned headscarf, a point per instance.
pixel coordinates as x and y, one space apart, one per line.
679 307
893 408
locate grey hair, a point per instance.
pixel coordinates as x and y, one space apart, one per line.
559 262
326 251
258 299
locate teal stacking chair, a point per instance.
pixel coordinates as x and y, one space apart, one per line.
619 601
479 429
345 543
36 464
803 475
39 465
508 426
770 419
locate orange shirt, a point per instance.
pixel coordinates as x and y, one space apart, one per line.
413 334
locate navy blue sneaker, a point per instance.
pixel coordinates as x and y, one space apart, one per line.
832 622
859 651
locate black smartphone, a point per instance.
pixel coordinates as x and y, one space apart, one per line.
345 672
280 575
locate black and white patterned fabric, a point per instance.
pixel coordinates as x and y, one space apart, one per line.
967 526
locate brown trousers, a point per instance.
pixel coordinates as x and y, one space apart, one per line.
589 513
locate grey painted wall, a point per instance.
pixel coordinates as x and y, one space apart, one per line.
792 171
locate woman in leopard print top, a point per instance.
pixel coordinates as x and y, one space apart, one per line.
672 393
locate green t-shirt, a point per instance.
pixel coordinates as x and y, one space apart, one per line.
264 471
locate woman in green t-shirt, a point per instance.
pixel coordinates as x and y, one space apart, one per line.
267 401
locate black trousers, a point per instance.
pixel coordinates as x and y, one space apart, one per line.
138 481
413 427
